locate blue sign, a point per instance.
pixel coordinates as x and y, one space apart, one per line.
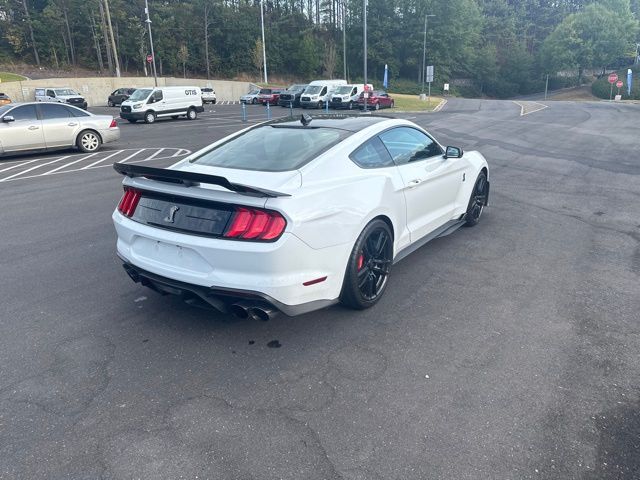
629 81
385 82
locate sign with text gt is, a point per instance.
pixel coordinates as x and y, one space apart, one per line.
613 78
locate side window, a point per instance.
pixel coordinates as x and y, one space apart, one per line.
372 154
157 95
51 93
52 110
26 112
324 91
76 112
407 144
354 91
39 92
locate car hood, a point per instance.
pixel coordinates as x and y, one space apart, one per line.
278 181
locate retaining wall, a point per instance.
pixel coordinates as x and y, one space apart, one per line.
96 89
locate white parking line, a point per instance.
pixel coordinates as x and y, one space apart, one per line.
19 165
70 163
102 159
131 156
33 168
155 154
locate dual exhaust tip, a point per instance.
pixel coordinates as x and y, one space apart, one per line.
253 311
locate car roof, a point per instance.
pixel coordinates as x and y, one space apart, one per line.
352 123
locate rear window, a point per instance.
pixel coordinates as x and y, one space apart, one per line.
265 91
272 148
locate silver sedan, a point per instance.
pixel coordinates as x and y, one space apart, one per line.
49 126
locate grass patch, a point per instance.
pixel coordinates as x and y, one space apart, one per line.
412 103
11 77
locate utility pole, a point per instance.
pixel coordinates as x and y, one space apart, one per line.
264 49
364 35
153 55
113 40
424 51
546 87
344 39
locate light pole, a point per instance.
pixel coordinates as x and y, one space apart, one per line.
344 39
264 50
364 35
153 55
424 51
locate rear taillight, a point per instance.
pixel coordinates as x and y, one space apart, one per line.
113 123
255 224
129 201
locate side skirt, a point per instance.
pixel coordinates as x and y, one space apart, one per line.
446 229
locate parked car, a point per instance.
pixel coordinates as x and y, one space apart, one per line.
377 100
294 216
318 92
4 99
208 95
61 95
149 104
269 95
291 96
119 96
346 96
49 126
251 97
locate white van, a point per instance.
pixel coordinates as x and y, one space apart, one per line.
346 96
318 92
149 104
60 95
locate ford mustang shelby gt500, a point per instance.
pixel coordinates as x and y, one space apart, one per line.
294 216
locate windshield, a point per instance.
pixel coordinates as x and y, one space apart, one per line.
313 90
65 91
344 89
140 94
253 92
272 148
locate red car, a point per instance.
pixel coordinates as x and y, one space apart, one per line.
269 95
377 100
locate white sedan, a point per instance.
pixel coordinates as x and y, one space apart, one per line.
293 216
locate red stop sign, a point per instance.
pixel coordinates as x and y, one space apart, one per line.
613 78
619 84
150 59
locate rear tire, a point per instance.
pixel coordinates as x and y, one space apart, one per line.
477 201
192 114
88 141
254 101
368 267
149 117
393 104
377 106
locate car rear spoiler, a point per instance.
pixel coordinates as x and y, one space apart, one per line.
191 179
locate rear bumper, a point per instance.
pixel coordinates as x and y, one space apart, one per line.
275 272
220 298
110 135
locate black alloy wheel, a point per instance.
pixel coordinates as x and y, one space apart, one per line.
368 267
477 201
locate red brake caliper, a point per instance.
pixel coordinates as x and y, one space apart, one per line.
360 261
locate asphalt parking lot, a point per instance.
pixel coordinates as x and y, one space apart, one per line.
505 351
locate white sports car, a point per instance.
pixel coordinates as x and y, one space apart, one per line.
295 215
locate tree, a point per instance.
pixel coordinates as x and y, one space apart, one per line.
183 56
256 56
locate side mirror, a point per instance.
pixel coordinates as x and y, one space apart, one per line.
453 152
8 118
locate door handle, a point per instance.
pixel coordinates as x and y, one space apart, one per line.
72 124
33 127
415 182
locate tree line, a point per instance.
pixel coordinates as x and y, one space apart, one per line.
501 47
